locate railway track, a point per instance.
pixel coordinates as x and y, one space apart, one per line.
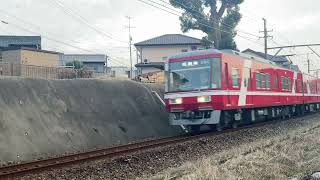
13 171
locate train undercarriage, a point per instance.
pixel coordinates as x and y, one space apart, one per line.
217 120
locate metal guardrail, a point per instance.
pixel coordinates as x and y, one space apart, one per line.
41 72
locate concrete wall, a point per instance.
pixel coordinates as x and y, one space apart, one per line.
40 118
39 58
31 58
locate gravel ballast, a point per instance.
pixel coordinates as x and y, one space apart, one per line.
221 152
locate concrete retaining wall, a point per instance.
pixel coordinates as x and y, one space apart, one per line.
40 118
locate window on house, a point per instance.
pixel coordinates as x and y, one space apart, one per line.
235 77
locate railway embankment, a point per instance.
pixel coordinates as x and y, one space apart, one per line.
40 118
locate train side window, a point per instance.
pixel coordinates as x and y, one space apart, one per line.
258 81
268 81
286 83
226 71
289 84
235 77
263 81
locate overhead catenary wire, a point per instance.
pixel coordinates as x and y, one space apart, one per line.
252 19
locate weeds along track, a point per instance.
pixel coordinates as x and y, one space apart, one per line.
12 171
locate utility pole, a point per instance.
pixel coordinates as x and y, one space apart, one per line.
308 61
106 65
130 45
265 37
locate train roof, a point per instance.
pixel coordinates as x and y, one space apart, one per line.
230 52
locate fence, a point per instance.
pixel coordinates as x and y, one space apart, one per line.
152 78
40 72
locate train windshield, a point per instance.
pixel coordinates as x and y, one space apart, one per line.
195 75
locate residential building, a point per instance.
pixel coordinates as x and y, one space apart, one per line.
29 56
153 53
120 71
94 62
20 41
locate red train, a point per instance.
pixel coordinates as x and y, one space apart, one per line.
225 89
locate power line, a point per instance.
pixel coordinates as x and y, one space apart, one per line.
158 8
49 33
29 23
81 19
198 22
57 41
225 24
52 34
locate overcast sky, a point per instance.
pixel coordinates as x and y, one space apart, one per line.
99 26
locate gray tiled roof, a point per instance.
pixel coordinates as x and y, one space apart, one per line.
170 39
6 41
276 59
159 65
85 58
28 49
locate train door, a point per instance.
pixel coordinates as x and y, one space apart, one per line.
226 76
244 98
277 86
249 85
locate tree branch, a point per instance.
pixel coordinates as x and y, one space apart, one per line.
222 9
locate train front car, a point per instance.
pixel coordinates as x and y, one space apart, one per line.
193 80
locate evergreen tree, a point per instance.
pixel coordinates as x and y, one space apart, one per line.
217 18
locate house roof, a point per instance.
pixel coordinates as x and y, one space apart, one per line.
86 58
28 49
6 41
276 59
158 65
170 39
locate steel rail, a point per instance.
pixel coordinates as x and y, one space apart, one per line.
16 170
36 166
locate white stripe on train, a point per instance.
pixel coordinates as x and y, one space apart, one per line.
233 93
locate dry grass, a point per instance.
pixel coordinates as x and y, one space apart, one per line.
291 155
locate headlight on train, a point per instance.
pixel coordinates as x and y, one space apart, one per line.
175 101
204 99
